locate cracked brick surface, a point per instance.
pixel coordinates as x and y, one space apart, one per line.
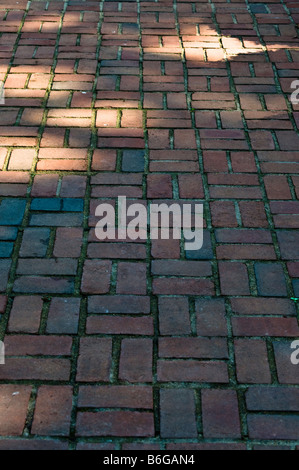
139 344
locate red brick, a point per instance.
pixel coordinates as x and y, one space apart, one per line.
94 360
25 314
68 242
233 278
115 396
243 162
272 399
115 423
211 320
166 248
197 348
136 360
247 326
44 186
108 324
279 427
252 361
52 415
258 306
174 316
31 368
223 214
96 277
190 186
131 278
197 371
215 161
220 414
104 160
41 345
159 186
73 186
13 406
171 286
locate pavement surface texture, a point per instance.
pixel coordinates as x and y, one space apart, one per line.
140 344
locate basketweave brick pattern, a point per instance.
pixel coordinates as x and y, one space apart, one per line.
124 344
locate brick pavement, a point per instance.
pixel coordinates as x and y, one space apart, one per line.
131 344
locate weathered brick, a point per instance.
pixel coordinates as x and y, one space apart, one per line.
94 360
96 277
115 423
233 278
176 371
270 280
115 396
174 316
53 408
252 361
25 314
63 316
272 399
136 360
131 278
211 319
273 427
182 423
14 406
220 414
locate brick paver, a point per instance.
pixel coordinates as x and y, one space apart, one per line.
138 344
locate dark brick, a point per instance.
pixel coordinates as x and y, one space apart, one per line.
211 319
174 316
115 423
35 368
177 371
35 284
199 348
118 304
280 427
287 372
272 399
233 278
206 252
4 273
182 422
12 211
135 363
35 242
133 160
252 361
270 280
94 360
289 244
63 316
220 414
